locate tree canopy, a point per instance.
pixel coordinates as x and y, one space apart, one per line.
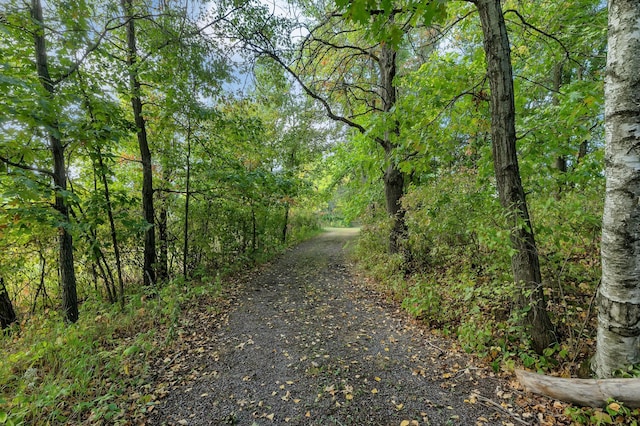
146 143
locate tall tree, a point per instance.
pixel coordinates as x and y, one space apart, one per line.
618 342
67 268
148 269
352 77
525 263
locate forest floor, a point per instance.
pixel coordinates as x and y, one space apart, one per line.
304 342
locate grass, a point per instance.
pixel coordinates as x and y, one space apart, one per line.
98 370
88 372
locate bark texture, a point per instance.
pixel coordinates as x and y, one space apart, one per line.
618 342
393 177
585 392
145 154
65 240
525 263
187 199
7 314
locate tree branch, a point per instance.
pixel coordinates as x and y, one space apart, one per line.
26 167
524 22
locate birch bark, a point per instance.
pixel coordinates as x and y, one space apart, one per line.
618 342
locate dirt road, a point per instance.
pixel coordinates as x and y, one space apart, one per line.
307 344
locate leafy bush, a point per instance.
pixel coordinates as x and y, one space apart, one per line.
461 271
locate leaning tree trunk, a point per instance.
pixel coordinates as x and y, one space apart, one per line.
393 177
65 240
7 314
525 264
148 270
618 342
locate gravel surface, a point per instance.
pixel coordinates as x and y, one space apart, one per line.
305 343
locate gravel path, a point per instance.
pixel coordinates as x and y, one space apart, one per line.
306 344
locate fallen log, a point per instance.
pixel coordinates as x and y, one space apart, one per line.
583 392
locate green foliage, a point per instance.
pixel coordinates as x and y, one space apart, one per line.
628 372
459 276
55 373
614 413
97 370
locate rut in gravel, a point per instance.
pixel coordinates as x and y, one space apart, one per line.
306 344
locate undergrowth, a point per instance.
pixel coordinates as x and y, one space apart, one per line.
458 277
97 371
91 372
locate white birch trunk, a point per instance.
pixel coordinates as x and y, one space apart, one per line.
618 341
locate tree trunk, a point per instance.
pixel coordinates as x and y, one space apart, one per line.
254 233
618 342
561 160
525 264
187 198
7 314
148 270
393 191
41 285
65 240
393 177
582 151
163 237
112 225
585 392
285 225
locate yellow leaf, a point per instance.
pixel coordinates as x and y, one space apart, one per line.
126 369
614 406
270 416
405 423
377 379
399 406
308 414
349 397
374 391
